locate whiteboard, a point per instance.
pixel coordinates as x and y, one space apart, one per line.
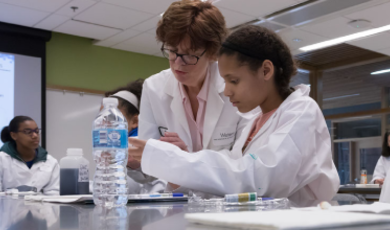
69 117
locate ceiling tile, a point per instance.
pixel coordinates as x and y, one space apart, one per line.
384 51
234 19
20 15
152 32
81 4
269 25
112 16
288 35
118 38
374 43
144 43
256 8
378 15
150 6
51 22
333 28
86 30
42 5
147 25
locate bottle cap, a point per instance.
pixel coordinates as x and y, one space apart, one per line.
74 152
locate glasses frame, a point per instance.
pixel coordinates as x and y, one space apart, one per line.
181 55
29 132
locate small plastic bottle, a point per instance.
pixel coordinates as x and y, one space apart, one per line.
74 173
363 176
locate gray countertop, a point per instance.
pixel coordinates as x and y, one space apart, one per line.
17 214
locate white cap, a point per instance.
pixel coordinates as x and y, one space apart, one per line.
110 101
74 152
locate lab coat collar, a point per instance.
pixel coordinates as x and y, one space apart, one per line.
300 91
10 149
215 104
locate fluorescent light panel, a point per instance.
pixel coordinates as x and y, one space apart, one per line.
341 97
380 72
345 38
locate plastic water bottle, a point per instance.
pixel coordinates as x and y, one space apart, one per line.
110 154
74 173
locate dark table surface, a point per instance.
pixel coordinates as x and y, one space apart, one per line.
353 189
17 214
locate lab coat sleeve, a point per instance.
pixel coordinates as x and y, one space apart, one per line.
53 187
278 168
380 171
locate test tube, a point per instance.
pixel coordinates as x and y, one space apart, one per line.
241 197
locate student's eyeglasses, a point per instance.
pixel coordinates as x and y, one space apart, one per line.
30 131
188 59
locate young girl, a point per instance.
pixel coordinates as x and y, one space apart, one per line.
23 161
129 104
286 149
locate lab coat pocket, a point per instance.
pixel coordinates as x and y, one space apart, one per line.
224 136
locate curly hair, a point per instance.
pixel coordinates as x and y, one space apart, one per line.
258 44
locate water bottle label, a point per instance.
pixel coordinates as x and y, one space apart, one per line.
110 138
83 173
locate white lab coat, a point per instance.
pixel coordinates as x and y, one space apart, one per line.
289 157
133 187
381 168
42 175
162 106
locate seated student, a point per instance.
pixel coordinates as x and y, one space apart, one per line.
286 150
23 161
129 104
383 164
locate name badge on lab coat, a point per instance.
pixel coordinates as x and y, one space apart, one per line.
224 136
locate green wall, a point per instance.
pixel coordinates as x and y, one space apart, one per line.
75 62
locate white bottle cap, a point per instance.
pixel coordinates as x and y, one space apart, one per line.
74 152
110 101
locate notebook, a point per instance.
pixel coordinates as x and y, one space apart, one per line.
288 220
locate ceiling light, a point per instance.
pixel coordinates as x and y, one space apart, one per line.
345 38
380 72
341 97
303 71
297 40
359 24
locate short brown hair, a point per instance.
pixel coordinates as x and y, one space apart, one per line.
201 21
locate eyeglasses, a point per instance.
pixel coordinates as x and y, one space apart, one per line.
31 131
188 59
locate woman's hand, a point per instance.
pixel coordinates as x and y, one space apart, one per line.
135 152
174 139
379 181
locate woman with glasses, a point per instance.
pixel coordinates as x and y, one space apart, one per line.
23 162
184 105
